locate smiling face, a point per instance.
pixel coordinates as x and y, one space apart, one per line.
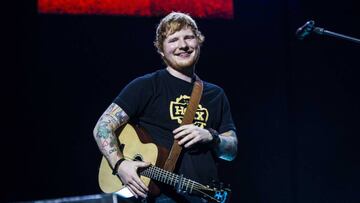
181 50
178 41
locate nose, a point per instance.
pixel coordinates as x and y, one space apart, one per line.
183 44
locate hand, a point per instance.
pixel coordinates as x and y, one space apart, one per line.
128 174
188 135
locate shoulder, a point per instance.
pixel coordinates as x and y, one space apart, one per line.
213 88
147 78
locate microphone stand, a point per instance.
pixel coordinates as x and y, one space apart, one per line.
322 31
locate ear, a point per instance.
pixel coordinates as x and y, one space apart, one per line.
161 53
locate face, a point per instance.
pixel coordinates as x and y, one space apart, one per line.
181 50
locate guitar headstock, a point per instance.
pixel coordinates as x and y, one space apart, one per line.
217 193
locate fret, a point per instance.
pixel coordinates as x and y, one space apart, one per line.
187 184
168 180
192 186
159 175
163 177
174 179
168 174
171 179
179 185
182 183
155 175
150 171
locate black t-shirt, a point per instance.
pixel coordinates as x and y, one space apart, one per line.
157 102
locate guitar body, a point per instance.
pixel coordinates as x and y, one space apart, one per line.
135 145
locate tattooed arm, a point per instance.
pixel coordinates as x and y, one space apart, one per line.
104 135
227 148
107 142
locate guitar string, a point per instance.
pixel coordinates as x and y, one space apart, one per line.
195 185
164 174
159 171
196 188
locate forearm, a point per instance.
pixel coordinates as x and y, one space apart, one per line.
107 142
104 134
227 148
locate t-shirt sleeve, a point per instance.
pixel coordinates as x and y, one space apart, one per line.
135 96
226 121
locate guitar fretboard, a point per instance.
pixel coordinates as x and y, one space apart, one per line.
173 179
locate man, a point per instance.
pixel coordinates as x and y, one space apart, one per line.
155 102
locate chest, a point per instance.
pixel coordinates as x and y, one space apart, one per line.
168 106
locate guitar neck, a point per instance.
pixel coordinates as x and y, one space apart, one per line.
184 184
169 178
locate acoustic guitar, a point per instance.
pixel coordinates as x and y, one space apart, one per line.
137 145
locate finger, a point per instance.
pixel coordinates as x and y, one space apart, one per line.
142 164
184 133
181 134
186 139
178 129
181 128
191 142
134 187
135 181
143 187
131 190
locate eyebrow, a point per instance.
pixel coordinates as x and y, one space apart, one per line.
172 38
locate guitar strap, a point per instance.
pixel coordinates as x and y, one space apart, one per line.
187 119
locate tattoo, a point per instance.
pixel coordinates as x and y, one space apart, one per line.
121 116
113 143
227 148
112 150
104 135
104 144
103 130
116 115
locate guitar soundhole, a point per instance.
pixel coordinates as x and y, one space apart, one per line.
138 157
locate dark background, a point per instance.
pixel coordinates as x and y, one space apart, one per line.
295 103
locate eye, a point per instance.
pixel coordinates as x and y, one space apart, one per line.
173 40
190 37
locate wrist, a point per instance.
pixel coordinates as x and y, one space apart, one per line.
215 137
116 166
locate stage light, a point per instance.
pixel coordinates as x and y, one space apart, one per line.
196 8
